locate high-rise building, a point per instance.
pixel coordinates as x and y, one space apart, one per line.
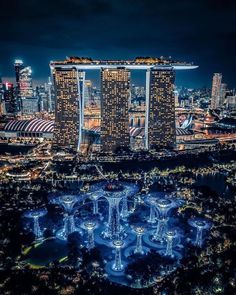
9 98
25 81
87 92
160 108
223 90
18 67
30 105
44 95
139 91
216 91
231 102
69 108
115 90
2 104
176 94
49 90
24 89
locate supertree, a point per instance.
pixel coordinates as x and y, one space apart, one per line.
94 197
95 193
113 194
139 245
170 236
151 201
163 207
113 224
35 215
67 202
90 233
200 224
117 265
130 189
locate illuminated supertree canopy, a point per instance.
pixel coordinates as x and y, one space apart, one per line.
163 206
170 236
90 225
130 189
36 214
139 246
151 201
67 202
201 225
116 193
95 198
113 194
117 265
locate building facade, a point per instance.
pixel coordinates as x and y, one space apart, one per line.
18 67
69 106
223 92
231 102
29 106
160 108
115 90
9 98
216 91
25 81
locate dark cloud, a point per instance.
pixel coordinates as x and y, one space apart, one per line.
40 30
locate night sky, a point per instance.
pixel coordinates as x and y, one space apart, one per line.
202 31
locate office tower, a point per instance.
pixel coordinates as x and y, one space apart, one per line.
231 102
216 91
44 95
49 90
29 106
69 108
24 87
25 81
87 93
96 97
223 90
115 90
9 98
2 104
18 67
139 91
176 94
160 108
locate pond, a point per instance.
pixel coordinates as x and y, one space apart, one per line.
47 252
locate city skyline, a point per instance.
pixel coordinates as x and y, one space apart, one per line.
117 147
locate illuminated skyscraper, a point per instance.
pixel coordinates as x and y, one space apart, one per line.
18 67
9 98
49 90
29 106
223 91
216 91
25 81
115 90
2 104
231 102
176 94
160 108
87 92
23 74
45 94
69 107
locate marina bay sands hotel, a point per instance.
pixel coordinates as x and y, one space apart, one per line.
69 81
